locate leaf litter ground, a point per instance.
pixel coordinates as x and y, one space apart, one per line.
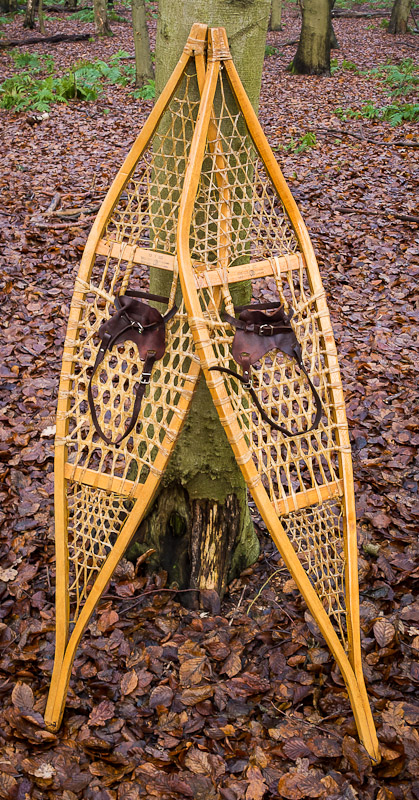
241 699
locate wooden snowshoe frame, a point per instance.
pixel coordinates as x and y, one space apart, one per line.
236 207
103 491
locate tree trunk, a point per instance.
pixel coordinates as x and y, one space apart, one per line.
143 65
101 18
41 17
7 6
334 44
275 23
29 21
313 53
200 524
399 16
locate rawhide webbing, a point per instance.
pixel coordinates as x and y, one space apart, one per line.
257 334
145 326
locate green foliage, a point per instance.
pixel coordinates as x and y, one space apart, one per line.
146 92
87 15
114 17
270 50
304 143
345 65
384 23
84 15
84 81
401 79
395 114
34 61
23 92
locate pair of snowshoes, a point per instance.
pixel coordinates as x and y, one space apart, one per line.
201 201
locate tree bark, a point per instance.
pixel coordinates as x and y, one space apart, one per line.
275 23
41 17
101 18
334 44
201 516
7 6
399 16
313 53
143 65
29 21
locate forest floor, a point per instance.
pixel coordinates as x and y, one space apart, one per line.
265 713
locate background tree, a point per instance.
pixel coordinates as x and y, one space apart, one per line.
399 16
200 524
143 64
334 44
7 6
313 53
41 16
29 21
275 23
101 18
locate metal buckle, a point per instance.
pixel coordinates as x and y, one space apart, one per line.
263 330
145 377
137 325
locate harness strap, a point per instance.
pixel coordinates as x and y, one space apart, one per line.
271 329
246 382
108 342
264 329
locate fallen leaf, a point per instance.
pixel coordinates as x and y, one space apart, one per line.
102 713
384 632
129 682
356 755
22 696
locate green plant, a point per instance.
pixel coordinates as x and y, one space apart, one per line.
26 60
345 65
401 79
270 50
114 17
384 23
303 143
22 92
146 92
84 81
395 113
84 15
34 61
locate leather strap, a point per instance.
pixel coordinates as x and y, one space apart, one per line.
263 414
265 328
108 341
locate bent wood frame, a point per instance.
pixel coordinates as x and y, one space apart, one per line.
66 646
351 667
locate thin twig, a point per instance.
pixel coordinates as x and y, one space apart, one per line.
55 202
307 722
338 132
141 596
262 588
380 213
288 44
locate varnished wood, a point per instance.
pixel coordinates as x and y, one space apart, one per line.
151 258
66 645
350 668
